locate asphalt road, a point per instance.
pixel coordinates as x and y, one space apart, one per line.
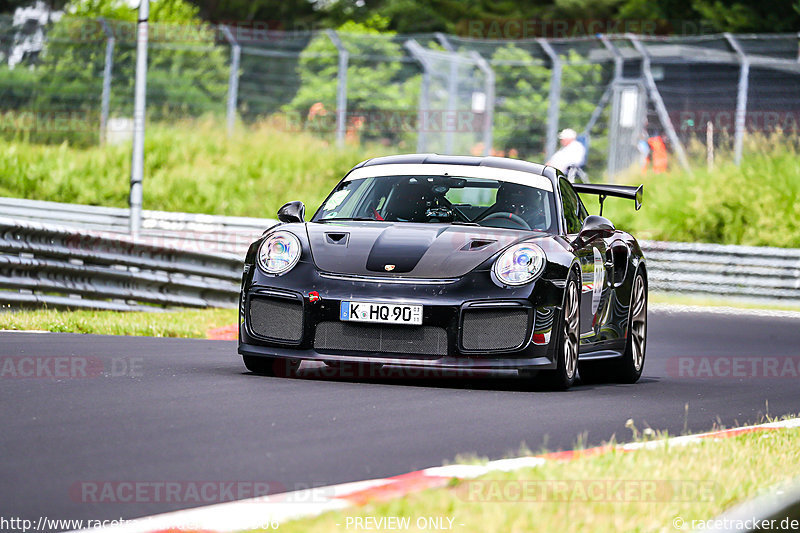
122 414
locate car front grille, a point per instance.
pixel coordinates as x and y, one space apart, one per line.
408 340
494 329
276 318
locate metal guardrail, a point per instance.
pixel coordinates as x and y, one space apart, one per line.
199 232
63 266
778 509
184 259
724 270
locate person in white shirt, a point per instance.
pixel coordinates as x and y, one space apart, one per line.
571 154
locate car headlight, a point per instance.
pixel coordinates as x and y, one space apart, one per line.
520 264
279 253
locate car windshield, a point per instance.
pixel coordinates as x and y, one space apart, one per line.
442 199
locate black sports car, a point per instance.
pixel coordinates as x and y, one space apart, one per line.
451 262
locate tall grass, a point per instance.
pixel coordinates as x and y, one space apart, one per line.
191 166
754 204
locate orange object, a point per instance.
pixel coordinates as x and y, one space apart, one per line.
658 155
225 333
317 109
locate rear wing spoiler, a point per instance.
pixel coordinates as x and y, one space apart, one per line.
620 191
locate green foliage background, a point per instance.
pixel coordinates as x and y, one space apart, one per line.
753 204
386 85
66 81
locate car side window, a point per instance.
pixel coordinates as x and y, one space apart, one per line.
574 212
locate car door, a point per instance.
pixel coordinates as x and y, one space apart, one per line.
594 276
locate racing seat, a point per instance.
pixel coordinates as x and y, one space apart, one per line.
408 203
517 202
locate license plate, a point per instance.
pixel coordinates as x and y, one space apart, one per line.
381 313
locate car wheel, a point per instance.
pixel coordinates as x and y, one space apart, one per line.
566 371
628 368
268 366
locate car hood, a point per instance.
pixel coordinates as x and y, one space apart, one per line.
431 251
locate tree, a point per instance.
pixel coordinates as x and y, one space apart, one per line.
521 114
382 89
187 72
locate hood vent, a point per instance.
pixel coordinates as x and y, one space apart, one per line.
337 238
476 244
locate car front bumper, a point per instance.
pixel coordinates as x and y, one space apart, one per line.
467 323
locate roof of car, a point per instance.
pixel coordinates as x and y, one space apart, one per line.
488 161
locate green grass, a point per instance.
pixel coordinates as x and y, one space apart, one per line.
700 300
184 323
693 482
754 204
190 166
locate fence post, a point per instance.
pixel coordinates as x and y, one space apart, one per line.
741 97
139 109
107 66
417 53
452 94
555 97
661 109
611 163
341 86
488 117
618 62
233 80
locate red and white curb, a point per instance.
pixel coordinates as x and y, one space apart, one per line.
262 511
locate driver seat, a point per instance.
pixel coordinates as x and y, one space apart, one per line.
521 201
407 203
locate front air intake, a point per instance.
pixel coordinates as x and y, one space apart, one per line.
494 329
418 341
277 319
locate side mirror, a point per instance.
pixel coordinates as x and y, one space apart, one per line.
292 212
595 226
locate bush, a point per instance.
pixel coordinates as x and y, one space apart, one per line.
752 204
191 166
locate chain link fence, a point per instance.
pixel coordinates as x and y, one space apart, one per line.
634 100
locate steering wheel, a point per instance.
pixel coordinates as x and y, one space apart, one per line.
508 216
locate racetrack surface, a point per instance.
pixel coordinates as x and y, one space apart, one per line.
187 412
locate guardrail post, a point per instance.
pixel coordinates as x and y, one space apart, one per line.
107 66
661 109
341 86
489 88
741 97
139 109
233 80
554 98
